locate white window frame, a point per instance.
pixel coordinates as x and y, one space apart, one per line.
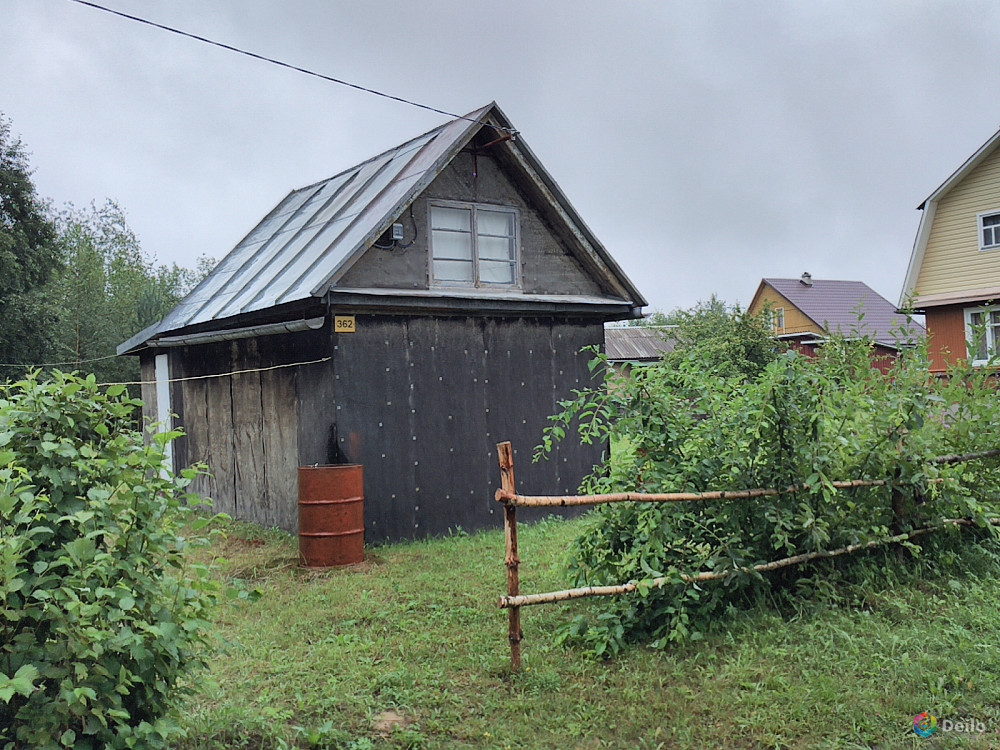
991 333
993 230
476 282
778 320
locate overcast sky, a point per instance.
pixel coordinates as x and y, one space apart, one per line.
706 144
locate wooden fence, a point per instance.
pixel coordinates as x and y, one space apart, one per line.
507 495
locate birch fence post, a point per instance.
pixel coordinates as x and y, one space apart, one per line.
506 457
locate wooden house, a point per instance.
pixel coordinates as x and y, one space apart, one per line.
406 314
954 271
805 311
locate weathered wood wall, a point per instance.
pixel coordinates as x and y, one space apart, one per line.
243 426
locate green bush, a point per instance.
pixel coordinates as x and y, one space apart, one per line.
801 421
102 619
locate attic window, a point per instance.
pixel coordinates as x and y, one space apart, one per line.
989 231
473 244
778 320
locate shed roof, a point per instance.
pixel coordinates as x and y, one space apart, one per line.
638 343
835 305
311 238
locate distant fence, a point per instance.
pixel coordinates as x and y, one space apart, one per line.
508 496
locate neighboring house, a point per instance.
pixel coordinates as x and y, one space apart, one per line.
636 346
805 311
954 272
406 314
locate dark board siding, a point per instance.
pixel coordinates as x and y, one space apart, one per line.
419 401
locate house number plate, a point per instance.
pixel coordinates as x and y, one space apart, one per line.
344 324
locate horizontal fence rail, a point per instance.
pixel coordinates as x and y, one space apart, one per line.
511 500
567 501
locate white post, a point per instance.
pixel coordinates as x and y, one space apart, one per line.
163 410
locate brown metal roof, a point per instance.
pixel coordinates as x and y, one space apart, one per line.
836 305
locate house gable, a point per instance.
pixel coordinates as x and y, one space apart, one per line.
796 321
304 252
547 262
952 265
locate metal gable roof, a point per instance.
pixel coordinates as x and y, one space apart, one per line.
638 343
834 306
317 232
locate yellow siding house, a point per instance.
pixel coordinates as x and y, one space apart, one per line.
954 271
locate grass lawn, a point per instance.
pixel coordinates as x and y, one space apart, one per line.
409 650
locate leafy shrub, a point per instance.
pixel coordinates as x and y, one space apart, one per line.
102 620
802 421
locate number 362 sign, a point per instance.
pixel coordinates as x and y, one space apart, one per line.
344 324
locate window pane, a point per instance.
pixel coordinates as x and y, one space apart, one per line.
976 335
981 352
452 245
445 217
497 223
453 270
496 248
496 272
991 220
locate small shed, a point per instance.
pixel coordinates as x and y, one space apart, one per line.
405 314
638 345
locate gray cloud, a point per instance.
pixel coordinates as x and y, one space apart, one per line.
706 144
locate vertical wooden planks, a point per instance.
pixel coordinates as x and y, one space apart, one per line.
280 443
252 503
221 444
148 389
196 425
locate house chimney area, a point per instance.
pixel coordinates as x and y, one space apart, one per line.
807 279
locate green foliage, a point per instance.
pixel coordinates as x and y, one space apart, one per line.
111 289
724 340
28 256
805 422
102 619
76 285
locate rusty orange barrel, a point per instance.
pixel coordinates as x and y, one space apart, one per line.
331 515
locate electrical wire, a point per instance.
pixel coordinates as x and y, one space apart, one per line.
7 386
56 364
220 374
273 61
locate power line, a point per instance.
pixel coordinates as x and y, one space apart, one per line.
273 61
230 373
220 374
56 364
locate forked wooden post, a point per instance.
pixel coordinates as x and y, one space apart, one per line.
506 457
